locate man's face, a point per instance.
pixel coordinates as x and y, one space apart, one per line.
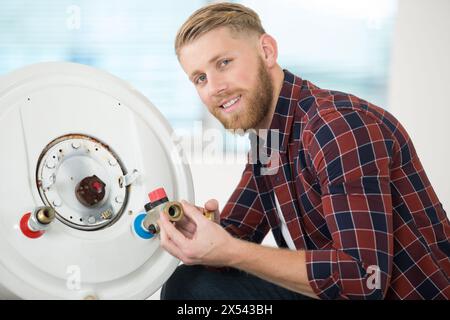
230 77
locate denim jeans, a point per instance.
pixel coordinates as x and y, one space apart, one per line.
200 283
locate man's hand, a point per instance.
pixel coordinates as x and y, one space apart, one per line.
197 240
187 226
208 243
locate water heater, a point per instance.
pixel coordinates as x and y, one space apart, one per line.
79 152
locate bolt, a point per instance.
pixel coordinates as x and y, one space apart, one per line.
75 144
153 229
119 199
112 162
91 220
57 203
50 164
50 181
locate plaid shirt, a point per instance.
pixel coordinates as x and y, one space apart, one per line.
354 195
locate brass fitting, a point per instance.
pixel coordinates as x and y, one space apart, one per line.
45 215
208 214
40 218
174 210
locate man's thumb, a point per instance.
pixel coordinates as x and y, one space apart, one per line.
191 211
213 205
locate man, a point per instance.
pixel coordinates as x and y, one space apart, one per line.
344 192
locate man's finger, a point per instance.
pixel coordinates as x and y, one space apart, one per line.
213 205
187 233
187 224
192 212
176 236
169 245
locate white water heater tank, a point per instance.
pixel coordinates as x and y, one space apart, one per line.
79 152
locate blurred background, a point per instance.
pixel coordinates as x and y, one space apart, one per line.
394 53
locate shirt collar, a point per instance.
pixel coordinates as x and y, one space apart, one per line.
280 128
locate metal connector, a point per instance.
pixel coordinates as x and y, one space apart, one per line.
209 215
174 210
40 218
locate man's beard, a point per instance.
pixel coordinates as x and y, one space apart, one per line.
258 104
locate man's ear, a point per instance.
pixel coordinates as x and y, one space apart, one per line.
269 50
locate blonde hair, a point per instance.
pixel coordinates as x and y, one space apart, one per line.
224 14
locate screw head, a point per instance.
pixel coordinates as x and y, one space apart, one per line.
75 144
152 229
57 202
50 164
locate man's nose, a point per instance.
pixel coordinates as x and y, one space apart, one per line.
217 85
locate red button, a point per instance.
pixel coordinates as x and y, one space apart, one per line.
157 194
97 186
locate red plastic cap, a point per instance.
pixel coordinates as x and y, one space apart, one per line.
157 194
26 229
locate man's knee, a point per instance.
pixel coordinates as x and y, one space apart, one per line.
184 284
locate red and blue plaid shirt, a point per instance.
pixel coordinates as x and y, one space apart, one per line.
354 195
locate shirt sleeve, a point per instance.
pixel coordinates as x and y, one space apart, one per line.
243 215
350 153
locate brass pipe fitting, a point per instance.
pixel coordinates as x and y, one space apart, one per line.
41 218
174 210
45 215
208 214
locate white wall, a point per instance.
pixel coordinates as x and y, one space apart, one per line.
216 181
420 85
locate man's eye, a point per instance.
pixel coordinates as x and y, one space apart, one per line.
200 79
225 62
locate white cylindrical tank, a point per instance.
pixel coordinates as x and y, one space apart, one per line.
83 146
